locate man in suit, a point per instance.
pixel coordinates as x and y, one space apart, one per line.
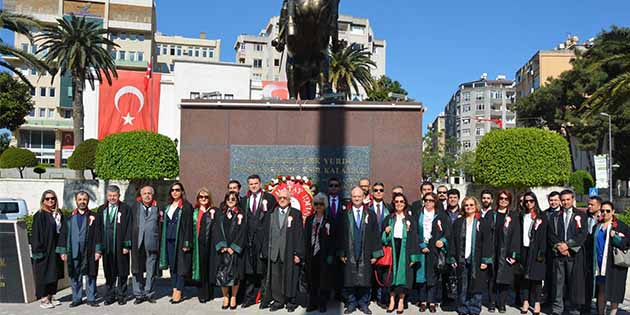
381 209
554 205
145 245
256 204
442 190
334 213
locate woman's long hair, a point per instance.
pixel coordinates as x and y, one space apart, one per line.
42 199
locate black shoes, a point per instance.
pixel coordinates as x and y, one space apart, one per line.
247 304
122 300
93 304
138 300
349 310
75 304
109 301
366 310
276 306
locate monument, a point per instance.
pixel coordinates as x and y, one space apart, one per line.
16 274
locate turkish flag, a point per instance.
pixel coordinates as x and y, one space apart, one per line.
129 104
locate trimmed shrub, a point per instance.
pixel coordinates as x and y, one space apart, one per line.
137 155
522 157
581 181
84 156
39 170
18 158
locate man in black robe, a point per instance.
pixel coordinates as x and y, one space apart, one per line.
256 204
116 243
592 218
78 247
487 213
284 242
553 200
359 247
568 233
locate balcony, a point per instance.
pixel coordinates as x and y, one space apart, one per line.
131 64
48 123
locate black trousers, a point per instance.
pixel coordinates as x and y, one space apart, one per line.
252 287
115 284
43 290
317 296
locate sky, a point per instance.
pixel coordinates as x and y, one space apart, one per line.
432 46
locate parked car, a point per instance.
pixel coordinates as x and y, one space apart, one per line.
12 209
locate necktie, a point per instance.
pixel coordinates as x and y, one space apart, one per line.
566 223
146 211
358 218
111 213
255 205
333 206
316 240
560 224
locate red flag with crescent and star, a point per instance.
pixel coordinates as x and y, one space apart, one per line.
130 103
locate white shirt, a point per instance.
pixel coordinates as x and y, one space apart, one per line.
469 244
527 225
427 225
171 211
484 212
567 218
251 201
376 205
398 226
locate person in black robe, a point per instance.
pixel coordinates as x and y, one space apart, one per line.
487 213
506 227
116 243
334 212
255 205
204 256
284 250
553 199
610 235
592 217
177 240
471 255
533 253
230 235
47 264
567 236
359 246
79 247
320 250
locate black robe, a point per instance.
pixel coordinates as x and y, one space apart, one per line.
204 268
535 266
358 270
326 255
183 259
122 236
255 230
616 277
440 230
232 234
481 252
85 263
506 239
576 236
47 265
138 259
294 247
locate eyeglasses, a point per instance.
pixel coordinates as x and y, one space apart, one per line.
399 201
202 197
378 190
176 189
318 203
441 193
429 200
608 210
283 198
231 199
333 185
529 201
504 198
50 198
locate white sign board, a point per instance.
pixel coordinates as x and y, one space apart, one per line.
601 170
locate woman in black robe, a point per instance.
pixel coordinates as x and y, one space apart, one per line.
320 250
507 246
533 251
177 240
204 256
471 254
48 267
609 235
230 236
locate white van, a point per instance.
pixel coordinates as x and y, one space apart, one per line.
12 209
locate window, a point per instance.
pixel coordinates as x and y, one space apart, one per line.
211 53
466 108
123 36
34 49
171 67
196 51
479 131
31 113
113 53
466 121
257 76
33 71
466 96
140 56
243 46
466 144
32 91
190 51
259 47
276 62
497 95
204 52
141 37
172 50
51 92
113 36
481 106
165 50
257 63
194 95
42 91
51 113
132 56
67 114
25 47
228 96
132 36
465 132
241 60
121 55
179 50
159 49
42 113
480 96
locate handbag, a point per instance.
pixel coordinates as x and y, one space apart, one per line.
386 260
225 271
451 285
440 266
621 258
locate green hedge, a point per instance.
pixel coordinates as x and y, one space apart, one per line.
137 155
28 219
624 216
84 156
581 181
18 158
522 157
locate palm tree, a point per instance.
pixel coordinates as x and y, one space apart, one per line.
350 67
79 47
611 52
20 24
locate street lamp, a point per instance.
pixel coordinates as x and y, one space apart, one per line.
610 179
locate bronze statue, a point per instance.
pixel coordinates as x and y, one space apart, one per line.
307 27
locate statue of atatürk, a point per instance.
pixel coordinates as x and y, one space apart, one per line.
307 27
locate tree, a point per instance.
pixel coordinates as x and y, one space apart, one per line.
81 48
84 157
39 170
137 155
20 24
350 66
5 139
439 160
581 181
466 163
521 158
18 158
381 89
15 102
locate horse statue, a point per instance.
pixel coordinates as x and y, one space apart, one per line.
307 27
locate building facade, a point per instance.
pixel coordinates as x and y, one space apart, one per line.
270 65
169 48
48 128
477 107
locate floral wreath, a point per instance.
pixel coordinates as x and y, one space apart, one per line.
303 180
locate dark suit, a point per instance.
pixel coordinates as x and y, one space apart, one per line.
145 246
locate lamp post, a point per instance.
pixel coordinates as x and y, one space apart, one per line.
610 179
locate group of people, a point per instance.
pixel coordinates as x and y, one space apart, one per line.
433 252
